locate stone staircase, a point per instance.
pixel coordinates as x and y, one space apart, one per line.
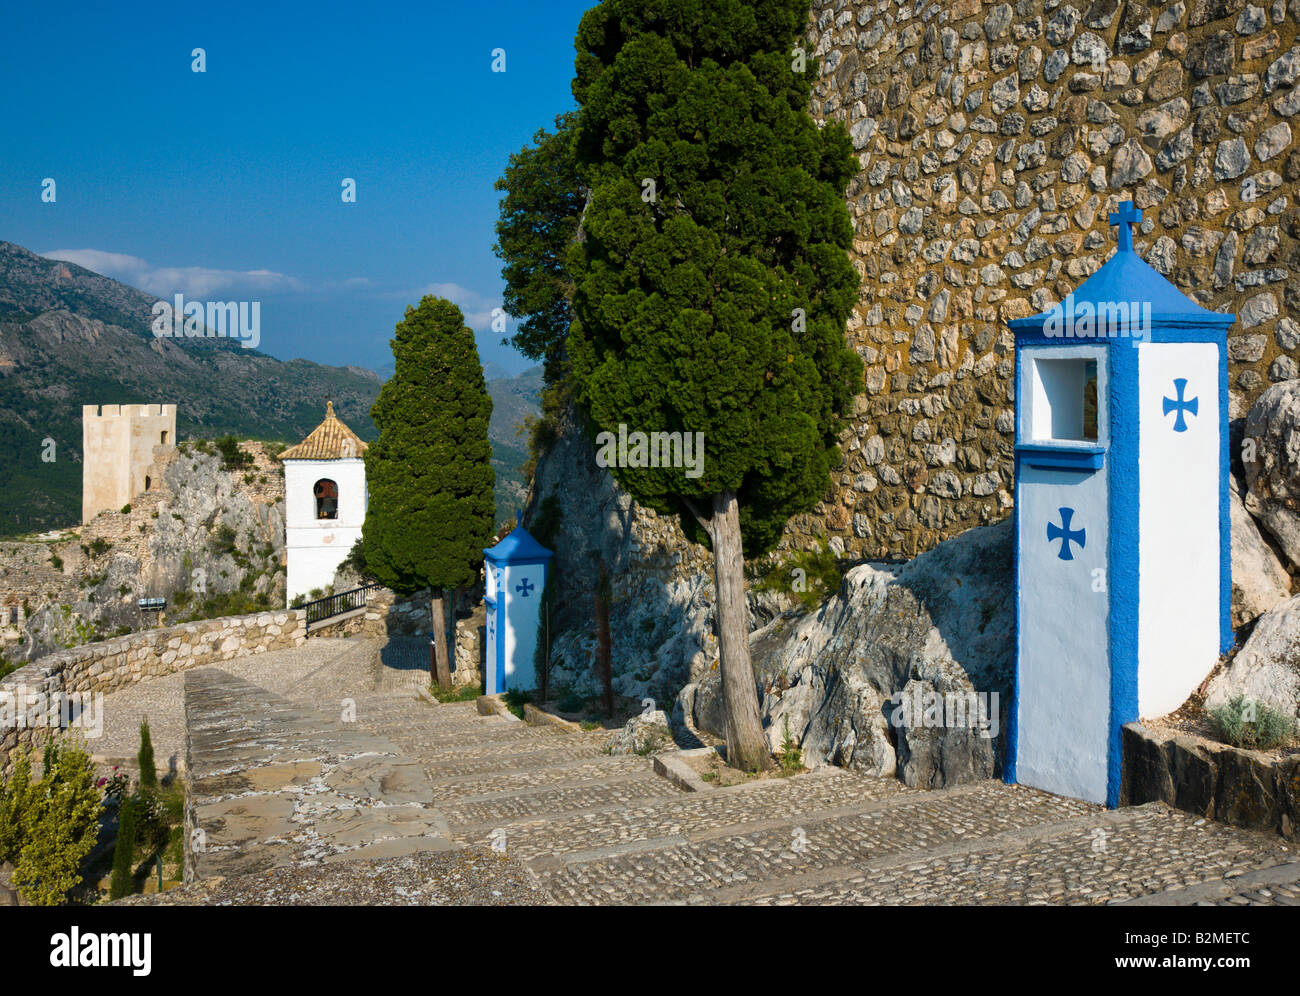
594 829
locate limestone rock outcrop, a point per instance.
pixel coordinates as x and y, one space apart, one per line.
1267 668
1259 581
645 733
1271 458
936 632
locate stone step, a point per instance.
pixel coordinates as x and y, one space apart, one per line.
457 742
423 715
274 783
462 787
1108 857
493 810
984 843
670 819
697 863
1278 885
491 760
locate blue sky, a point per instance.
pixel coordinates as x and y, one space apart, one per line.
226 185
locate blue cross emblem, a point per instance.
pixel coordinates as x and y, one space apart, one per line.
1180 406
1126 215
1065 534
524 587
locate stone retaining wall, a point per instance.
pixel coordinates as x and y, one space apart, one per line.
113 664
1224 783
994 138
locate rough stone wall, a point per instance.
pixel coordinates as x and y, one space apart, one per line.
113 664
994 140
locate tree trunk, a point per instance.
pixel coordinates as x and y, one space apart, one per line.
604 645
441 669
746 745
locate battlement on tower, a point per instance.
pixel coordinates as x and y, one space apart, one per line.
129 411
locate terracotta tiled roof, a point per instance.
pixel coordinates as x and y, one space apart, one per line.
331 440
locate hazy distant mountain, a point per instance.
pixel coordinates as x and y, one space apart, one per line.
70 337
513 400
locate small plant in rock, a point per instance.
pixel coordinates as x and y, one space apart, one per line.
791 757
224 541
515 700
1244 722
126 509
715 768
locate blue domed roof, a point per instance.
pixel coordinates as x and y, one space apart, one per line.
1127 278
518 547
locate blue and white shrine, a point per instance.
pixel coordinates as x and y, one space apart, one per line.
1121 513
516 578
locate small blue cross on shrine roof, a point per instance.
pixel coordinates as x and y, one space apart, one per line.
1126 215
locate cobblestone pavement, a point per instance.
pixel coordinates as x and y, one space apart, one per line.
161 700
582 827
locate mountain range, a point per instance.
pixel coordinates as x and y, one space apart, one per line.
69 336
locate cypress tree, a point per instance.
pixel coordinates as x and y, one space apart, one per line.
123 881
148 771
538 222
429 473
712 283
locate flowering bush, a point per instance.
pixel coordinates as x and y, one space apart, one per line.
114 787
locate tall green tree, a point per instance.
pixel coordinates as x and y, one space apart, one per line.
429 473
539 218
123 881
712 282
148 768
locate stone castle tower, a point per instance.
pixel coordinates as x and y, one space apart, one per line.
117 452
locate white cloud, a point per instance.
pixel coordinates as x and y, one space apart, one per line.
477 308
192 281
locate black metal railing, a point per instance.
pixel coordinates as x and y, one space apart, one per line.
335 605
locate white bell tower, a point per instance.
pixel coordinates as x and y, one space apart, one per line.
325 503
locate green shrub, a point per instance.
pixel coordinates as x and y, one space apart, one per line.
355 561
810 575
457 693
543 431
515 700
48 827
1246 723
225 540
233 457
126 509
